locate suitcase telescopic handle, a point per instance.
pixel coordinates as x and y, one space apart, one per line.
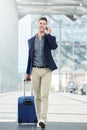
29 86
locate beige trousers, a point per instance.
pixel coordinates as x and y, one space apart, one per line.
41 79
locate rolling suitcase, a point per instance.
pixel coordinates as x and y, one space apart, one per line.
26 109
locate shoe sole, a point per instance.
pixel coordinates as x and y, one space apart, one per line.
42 124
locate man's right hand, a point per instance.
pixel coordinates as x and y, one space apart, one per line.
27 77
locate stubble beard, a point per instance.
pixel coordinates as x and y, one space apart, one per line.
42 31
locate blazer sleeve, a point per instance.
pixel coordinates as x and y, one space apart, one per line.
51 40
29 62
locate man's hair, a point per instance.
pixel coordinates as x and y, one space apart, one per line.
43 18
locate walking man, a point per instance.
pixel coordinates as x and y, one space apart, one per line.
40 66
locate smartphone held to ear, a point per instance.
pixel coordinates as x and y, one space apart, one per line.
46 28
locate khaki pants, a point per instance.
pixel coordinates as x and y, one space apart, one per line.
41 79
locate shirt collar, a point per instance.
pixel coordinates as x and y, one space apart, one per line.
42 36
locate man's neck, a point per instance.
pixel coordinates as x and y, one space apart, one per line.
40 35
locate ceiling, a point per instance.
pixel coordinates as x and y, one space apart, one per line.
48 7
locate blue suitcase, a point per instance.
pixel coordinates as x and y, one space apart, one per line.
26 109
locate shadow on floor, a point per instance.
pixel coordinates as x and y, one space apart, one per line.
49 126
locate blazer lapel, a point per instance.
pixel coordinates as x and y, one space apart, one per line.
32 43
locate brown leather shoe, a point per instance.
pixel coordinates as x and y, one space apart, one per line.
42 123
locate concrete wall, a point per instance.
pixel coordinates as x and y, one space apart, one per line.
8 46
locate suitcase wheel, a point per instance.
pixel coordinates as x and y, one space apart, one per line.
36 121
19 121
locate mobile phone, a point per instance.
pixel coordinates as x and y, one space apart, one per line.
46 28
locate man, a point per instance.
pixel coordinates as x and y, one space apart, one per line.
40 66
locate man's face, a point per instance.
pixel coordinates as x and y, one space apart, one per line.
42 26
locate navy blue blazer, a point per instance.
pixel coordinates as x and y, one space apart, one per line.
49 44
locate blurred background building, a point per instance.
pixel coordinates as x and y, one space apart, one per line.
68 20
